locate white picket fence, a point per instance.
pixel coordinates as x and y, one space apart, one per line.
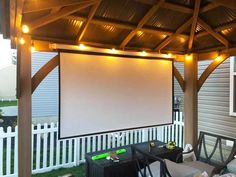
49 153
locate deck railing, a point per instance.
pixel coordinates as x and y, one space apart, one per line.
49 153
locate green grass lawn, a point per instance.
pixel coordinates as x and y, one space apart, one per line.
8 103
76 171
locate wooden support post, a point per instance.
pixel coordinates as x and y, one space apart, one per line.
24 107
190 100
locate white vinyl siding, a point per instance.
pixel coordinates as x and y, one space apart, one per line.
45 97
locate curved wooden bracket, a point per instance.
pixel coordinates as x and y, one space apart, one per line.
179 78
210 69
43 72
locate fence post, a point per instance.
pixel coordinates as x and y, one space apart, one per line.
77 151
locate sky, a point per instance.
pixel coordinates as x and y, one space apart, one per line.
5 52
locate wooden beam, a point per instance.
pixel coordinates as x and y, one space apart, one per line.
213 33
85 26
34 6
62 13
178 31
12 23
210 69
146 17
24 108
168 5
179 78
19 8
178 8
43 72
208 7
217 29
226 3
55 10
190 100
4 15
123 25
194 23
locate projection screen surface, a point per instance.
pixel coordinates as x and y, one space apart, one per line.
102 93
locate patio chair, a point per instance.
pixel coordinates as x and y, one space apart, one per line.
212 156
149 165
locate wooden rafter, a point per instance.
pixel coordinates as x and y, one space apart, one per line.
169 5
178 31
34 6
194 23
226 3
60 14
85 26
179 78
208 7
212 32
20 5
210 69
43 72
123 25
178 8
146 17
218 29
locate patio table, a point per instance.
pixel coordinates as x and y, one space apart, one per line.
126 167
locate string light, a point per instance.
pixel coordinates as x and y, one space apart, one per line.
188 57
25 29
82 46
32 47
22 41
143 53
219 58
113 50
169 54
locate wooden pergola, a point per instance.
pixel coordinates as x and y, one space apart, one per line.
185 30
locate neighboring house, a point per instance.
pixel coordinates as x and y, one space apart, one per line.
213 103
8 83
213 100
45 97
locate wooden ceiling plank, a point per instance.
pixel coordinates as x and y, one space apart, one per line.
212 32
178 31
226 3
146 17
34 6
194 23
55 16
90 17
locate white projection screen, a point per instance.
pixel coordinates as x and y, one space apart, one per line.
101 94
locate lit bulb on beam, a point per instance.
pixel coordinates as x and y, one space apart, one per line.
32 49
22 41
188 57
82 46
25 29
143 53
169 55
218 59
113 50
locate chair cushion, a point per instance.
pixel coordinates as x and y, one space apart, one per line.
175 169
232 166
201 166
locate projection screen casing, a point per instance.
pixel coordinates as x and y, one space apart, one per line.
101 94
